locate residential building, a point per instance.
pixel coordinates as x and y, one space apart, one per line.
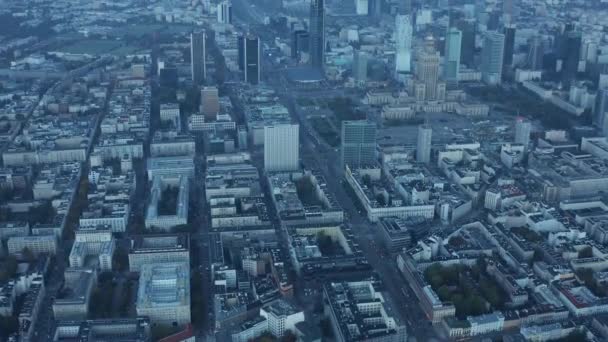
282 316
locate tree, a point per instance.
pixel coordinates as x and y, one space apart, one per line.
120 260
8 326
8 268
27 254
289 336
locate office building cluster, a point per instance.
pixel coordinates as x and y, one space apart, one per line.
369 170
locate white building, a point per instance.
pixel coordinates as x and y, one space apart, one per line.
36 244
487 323
403 43
170 112
282 316
281 147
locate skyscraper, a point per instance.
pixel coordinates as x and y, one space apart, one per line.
467 51
509 32
358 143
453 42
249 50
197 56
423 145
317 33
522 131
403 43
536 53
224 12
601 110
570 54
427 70
492 55
281 147
361 7
360 66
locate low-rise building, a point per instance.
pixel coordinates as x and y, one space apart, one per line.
350 304
73 300
164 293
155 249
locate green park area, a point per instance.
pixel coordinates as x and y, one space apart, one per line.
470 289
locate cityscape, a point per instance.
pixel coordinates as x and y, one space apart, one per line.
303 170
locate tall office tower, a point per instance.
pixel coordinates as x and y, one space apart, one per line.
536 53
360 66
249 50
317 33
197 56
423 144
405 6
492 55
358 143
600 112
453 43
427 70
224 12
281 147
299 43
467 51
523 128
375 7
403 43
509 32
361 7
570 54
210 102
508 10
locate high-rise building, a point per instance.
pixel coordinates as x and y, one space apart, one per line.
224 12
403 43
492 55
453 42
509 49
569 54
508 9
281 147
405 6
467 51
523 128
210 102
360 66
249 50
423 144
427 70
536 53
358 143
197 56
361 7
300 40
375 7
601 110
317 33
